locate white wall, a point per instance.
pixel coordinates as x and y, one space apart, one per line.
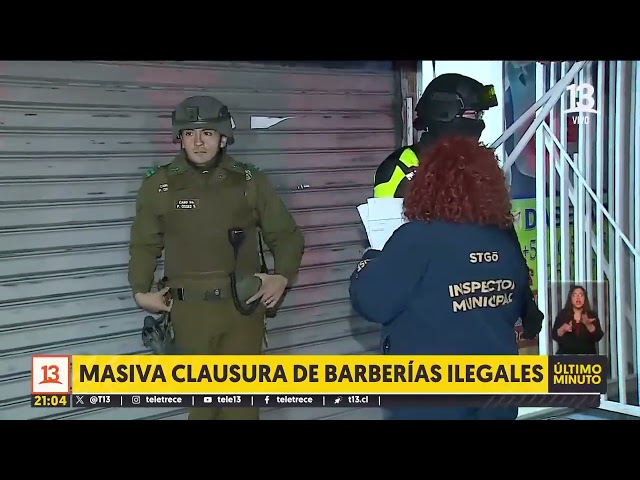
487 72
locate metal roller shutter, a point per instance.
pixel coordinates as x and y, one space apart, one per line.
75 140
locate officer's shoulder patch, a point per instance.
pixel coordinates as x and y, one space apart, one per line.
155 169
249 169
248 166
362 264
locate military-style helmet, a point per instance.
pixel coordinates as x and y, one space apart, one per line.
445 102
203 112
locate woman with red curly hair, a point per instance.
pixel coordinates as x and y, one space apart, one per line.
451 280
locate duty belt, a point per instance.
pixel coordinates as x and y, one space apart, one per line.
191 294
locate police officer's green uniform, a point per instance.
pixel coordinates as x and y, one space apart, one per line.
188 212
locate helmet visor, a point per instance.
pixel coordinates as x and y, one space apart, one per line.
486 98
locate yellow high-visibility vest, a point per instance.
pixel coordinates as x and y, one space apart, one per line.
404 169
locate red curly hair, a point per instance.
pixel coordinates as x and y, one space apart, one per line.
459 180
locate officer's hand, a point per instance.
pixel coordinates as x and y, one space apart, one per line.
272 289
154 302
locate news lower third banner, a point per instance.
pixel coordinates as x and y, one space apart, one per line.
313 400
319 375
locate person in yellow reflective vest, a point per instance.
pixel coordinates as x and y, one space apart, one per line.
452 104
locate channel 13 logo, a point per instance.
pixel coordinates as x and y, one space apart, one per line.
50 374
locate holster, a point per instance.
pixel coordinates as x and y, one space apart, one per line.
157 333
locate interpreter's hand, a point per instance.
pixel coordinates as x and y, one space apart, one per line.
566 328
154 302
587 321
273 287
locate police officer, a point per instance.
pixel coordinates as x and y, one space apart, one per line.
204 210
452 104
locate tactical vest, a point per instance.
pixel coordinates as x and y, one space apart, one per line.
405 167
197 217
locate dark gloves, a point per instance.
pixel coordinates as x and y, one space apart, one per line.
532 318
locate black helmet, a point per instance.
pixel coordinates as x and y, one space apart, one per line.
203 112
454 104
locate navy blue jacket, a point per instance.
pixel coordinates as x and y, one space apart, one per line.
443 289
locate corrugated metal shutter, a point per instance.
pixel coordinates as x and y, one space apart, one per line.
75 140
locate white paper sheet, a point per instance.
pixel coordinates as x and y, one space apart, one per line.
381 217
363 210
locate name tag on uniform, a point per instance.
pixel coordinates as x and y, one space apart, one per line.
187 204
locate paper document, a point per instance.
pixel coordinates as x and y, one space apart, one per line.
363 210
381 217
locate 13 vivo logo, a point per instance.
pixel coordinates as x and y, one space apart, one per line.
581 100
